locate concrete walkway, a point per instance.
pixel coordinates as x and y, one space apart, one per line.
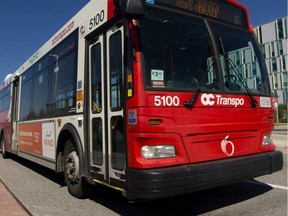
280 127
9 204
280 140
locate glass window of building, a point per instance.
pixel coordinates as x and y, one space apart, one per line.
274 64
284 80
283 64
280 47
272 50
275 81
279 28
237 58
259 34
263 51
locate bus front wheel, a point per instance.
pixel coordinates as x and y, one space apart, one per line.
77 186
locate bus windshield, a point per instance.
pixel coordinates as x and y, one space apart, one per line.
241 60
178 55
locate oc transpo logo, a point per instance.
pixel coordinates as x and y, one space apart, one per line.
227 146
211 99
208 99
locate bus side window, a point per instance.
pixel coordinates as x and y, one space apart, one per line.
97 155
96 78
115 71
118 145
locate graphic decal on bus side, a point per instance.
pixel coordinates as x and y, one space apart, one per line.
132 117
166 101
38 138
97 20
83 30
65 31
211 100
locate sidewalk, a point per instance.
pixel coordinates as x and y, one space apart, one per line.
280 127
9 204
280 136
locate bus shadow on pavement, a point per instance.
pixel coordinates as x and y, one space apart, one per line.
58 178
190 204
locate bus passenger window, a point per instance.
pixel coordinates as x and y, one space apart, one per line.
40 91
26 99
63 72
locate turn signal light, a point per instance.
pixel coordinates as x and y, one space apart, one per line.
154 122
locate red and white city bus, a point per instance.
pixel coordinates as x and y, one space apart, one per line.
154 98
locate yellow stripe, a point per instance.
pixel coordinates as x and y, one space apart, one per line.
104 183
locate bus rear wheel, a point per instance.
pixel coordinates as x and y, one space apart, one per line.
77 186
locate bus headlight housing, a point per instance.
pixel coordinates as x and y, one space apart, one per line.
267 140
159 151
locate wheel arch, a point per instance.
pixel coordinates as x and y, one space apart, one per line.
66 133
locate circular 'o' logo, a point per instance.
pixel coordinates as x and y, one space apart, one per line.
224 146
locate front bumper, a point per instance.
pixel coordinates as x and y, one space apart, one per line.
171 181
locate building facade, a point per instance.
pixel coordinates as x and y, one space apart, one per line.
273 37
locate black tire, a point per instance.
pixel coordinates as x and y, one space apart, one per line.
77 186
3 148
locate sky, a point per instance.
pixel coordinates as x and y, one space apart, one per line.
25 25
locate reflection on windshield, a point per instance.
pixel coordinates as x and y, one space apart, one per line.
178 55
245 65
176 51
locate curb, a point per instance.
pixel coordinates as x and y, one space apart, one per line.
11 198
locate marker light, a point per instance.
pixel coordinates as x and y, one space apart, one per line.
161 151
266 140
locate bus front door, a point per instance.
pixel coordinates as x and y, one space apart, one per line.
14 112
107 146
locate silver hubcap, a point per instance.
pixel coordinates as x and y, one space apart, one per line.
72 166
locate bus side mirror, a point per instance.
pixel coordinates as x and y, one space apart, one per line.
133 9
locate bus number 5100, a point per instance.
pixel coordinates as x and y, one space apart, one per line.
166 101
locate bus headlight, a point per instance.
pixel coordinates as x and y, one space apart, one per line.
159 151
267 140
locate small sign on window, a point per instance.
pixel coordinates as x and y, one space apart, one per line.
157 78
157 74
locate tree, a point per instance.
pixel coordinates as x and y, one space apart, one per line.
282 113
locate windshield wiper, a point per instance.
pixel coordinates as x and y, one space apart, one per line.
252 98
191 103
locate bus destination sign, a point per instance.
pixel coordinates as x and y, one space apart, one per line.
217 9
208 8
